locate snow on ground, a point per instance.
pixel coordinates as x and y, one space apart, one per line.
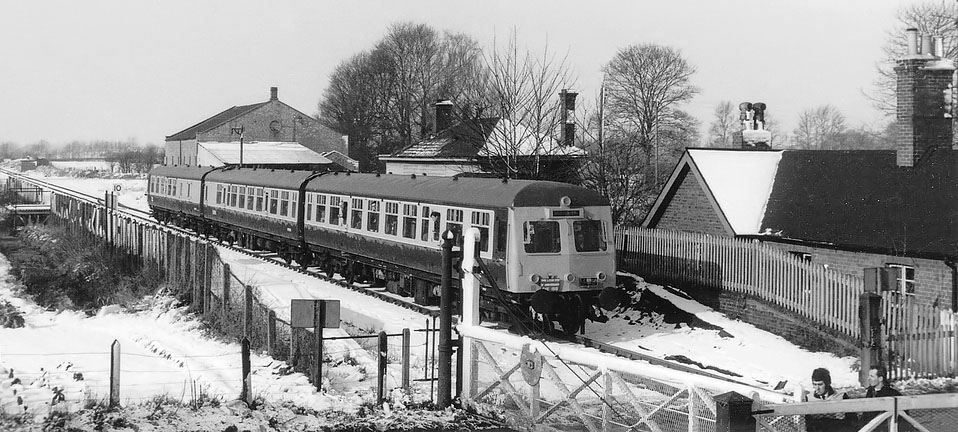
179 357
761 358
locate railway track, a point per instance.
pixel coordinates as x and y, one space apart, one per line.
380 293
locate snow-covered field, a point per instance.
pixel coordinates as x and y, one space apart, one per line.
166 353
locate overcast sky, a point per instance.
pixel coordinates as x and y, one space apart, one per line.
113 70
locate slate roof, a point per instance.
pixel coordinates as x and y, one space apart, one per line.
212 122
848 199
461 140
861 199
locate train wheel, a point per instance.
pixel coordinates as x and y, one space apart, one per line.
305 259
574 318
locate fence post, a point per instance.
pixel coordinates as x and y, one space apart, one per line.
246 396
405 359
381 375
733 413
271 332
319 319
226 296
115 373
869 311
248 311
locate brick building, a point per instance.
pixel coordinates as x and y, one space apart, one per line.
847 210
268 122
483 146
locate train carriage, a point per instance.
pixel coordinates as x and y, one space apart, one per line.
545 245
174 194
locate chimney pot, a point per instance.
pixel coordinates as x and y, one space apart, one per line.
912 35
273 93
926 45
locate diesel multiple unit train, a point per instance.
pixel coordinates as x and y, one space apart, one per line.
546 246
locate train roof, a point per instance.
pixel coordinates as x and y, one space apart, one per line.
464 191
181 171
467 191
262 177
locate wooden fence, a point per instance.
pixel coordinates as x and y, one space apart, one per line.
920 339
752 267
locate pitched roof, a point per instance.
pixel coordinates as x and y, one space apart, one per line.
218 119
858 199
263 153
461 140
484 137
863 199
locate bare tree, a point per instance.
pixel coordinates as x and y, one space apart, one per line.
522 88
931 18
646 85
725 121
819 128
383 99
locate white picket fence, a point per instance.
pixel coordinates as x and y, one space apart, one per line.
752 267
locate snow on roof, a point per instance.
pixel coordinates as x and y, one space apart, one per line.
516 139
263 152
740 181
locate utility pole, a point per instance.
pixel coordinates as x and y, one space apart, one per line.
239 131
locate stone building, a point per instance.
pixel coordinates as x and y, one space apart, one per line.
272 122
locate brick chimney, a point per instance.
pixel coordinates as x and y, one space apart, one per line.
567 118
273 93
924 86
443 115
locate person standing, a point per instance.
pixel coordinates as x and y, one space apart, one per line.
823 391
878 386
878 383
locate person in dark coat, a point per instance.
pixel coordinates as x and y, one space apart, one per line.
878 386
823 391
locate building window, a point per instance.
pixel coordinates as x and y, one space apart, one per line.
804 256
906 279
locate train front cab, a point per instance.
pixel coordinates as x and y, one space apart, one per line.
567 259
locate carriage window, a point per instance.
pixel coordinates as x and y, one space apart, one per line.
273 201
294 204
242 196
372 221
174 188
454 224
357 217
480 220
188 189
589 236
284 203
424 234
392 218
434 219
541 237
309 207
233 190
320 208
409 212
259 199
219 194
334 210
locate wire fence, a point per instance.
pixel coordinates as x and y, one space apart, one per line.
195 271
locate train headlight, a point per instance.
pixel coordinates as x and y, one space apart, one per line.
600 276
569 277
565 201
535 278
